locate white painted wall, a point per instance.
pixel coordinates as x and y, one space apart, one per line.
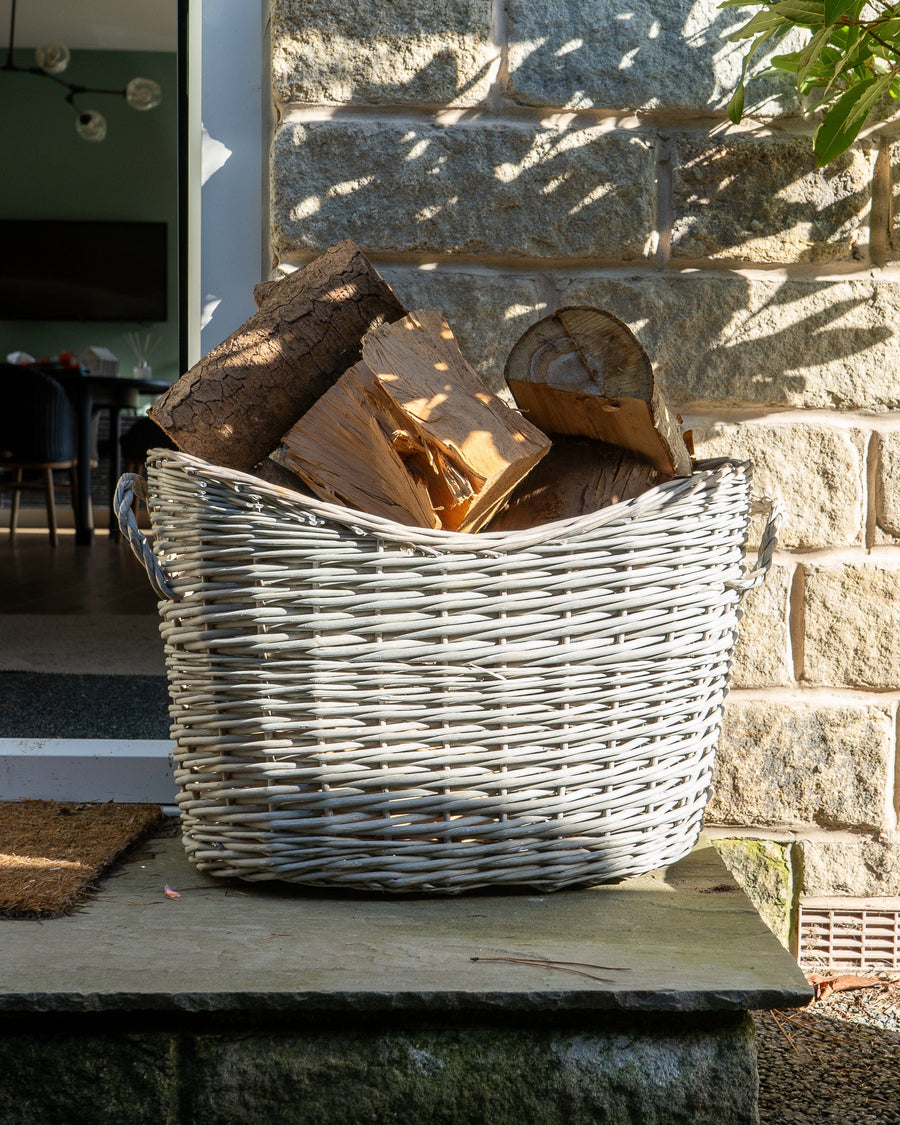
235 123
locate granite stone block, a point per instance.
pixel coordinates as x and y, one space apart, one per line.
852 635
484 187
894 232
599 54
797 763
725 339
50 1078
762 199
863 868
627 1076
765 872
762 654
887 484
815 470
368 53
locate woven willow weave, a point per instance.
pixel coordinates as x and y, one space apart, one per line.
362 704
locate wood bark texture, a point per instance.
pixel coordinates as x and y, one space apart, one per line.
582 372
412 433
578 476
233 406
273 471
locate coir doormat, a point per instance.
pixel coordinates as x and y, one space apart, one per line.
53 852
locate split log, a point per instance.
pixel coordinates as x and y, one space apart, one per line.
412 433
233 406
343 449
576 477
582 372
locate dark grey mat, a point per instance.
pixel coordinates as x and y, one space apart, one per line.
41 705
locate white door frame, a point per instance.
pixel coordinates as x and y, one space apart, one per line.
225 125
228 128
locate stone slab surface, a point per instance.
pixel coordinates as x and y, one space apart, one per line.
681 940
136 771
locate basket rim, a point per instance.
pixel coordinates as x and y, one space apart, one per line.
707 473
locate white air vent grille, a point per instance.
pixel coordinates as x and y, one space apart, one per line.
848 936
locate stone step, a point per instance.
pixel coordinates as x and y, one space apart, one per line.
266 1002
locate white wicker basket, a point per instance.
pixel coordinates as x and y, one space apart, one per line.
363 704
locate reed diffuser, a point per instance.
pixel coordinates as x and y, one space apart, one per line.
142 344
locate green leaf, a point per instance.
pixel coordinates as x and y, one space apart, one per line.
761 22
842 123
789 62
834 9
735 109
806 13
854 52
885 39
811 53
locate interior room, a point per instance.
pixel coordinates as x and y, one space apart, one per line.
88 291
89 217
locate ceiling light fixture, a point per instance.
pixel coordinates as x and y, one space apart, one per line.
52 60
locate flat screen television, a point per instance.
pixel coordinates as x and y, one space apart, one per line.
82 270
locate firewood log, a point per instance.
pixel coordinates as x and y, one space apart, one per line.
576 477
233 406
272 471
412 433
582 372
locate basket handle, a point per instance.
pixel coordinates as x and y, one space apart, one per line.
130 488
774 516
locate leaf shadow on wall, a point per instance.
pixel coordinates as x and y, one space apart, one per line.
519 193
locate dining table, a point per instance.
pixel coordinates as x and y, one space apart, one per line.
89 394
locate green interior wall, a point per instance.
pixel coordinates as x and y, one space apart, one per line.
50 173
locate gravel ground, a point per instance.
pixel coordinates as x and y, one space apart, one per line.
836 1061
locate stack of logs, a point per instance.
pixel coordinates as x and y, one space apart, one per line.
333 388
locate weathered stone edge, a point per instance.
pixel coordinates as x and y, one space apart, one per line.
311 1004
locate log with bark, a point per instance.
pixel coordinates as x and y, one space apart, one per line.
412 433
582 372
233 406
576 477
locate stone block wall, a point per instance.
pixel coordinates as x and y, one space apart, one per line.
498 160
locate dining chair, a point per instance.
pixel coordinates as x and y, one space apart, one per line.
141 436
37 438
